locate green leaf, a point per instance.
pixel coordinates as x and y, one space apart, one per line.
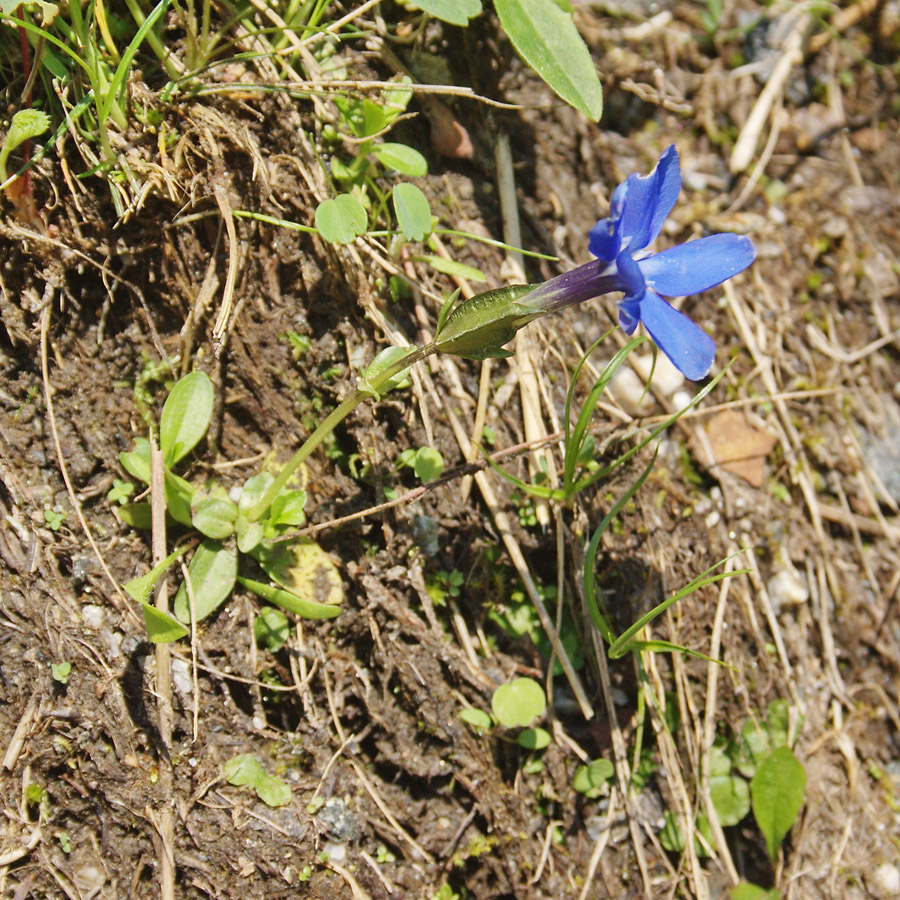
254 489
61 671
272 628
778 721
547 39
137 461
446 308
670 835
213 571
518 704
477 717
139 588
25 124
533 739
249 534
428 464
307 609
456 12
369 381
214 517
747 891
452 267
120 491
730 796
48 10
185 416
754 747
179 497
137 515
403 159
413 212
341 220
777 791
288 509
374 119
396 99
245 770
589 780
161 627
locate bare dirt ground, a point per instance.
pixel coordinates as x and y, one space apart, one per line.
392 795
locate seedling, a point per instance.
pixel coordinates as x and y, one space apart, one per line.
61 672
26 124
591 779
443 584
426 462
54 519
761 753
246 770
227 532
515 705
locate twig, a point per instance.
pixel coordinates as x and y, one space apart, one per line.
165 821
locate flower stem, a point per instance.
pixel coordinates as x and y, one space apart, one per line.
329 423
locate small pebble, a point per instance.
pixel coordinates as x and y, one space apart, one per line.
887 878
93 616
786 588
336 853
181 677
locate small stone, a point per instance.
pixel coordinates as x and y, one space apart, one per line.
342 824
181 677
93 616
887 879
786 588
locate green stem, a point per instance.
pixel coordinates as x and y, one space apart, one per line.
329 423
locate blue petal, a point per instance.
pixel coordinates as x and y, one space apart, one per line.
690 348
631 279
605 238
698 265
648 200
629 314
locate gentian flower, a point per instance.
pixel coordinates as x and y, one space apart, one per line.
638 208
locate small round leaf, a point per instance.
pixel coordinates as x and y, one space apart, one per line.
518 704
477 717
533 739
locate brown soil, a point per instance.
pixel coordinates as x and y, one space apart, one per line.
392 794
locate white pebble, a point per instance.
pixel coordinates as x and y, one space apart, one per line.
93 616
680 399
887 878
786 588
337 853
181 677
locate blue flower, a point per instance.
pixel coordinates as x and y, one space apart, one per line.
479 327
638 208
